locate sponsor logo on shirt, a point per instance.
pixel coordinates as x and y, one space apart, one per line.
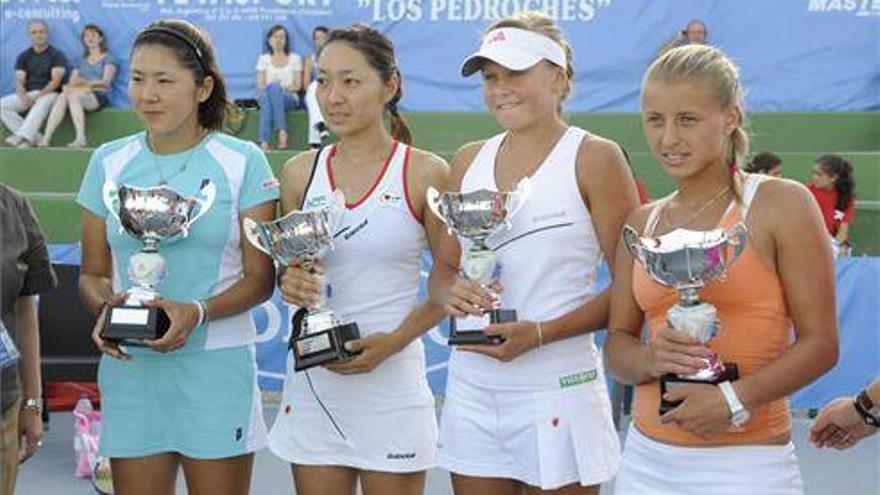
390 198
271 183
549 216
578 378
316 202
401 456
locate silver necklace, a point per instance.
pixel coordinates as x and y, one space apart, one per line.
163 181
694 215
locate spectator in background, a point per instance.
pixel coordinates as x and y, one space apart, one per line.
765 163
25 271
834 187
695 32
279 79
38 74
88 89
317 130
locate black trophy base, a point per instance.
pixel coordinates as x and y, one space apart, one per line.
467 331
669 381
323 347
131 325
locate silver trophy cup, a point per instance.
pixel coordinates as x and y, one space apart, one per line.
301 237
475 216
150 215
687 260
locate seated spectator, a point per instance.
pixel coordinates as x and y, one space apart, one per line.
765 163
38 74
279 79
695 32
834 187
317 129
88 89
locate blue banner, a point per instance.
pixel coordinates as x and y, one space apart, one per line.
795 55
858 283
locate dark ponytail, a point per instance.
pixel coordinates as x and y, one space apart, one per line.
763 163
844 182
379 52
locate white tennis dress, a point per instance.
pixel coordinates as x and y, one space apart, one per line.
382 420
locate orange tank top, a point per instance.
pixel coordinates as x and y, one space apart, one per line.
755 330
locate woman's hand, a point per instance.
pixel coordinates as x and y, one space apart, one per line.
672 351
703 412
109 348
373 348
30 426
519 337
184 318
301 287
467 297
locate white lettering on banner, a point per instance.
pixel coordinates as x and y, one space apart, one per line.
861 8
38 2
63 10
479 10
237 10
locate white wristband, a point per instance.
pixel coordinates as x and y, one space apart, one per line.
203 312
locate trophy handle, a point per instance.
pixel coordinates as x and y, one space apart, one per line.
109 193
630 238
517 197
738 237
252 232
209 191
432 196
335 211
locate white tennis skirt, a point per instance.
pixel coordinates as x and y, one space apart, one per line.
383 420
654 468
548 437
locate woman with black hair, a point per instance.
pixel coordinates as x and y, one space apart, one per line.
189 398
834 187
370 419
765 163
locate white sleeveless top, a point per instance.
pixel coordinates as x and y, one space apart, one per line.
373 269
549 259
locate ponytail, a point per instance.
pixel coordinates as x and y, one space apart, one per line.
844 182
399 128
739 149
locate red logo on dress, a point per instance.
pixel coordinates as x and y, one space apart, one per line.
555 422
499 36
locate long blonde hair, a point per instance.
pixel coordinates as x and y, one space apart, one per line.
710 66
537 22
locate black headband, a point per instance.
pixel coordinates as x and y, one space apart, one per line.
179 36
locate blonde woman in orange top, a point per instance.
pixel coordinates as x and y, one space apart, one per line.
776 305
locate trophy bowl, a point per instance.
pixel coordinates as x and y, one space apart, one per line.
475 215
150 215
687 260
318 336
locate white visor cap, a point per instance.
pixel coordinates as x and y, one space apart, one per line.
515 49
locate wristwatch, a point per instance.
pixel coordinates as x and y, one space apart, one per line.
33 403
738 413
866 408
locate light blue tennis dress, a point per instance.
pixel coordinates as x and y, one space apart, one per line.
201 400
